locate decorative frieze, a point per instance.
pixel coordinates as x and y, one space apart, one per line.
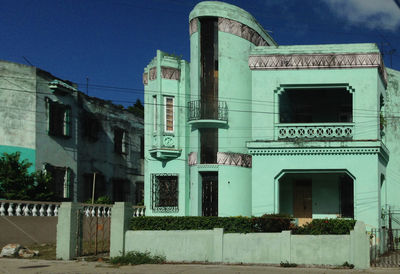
170 73
145 78
241 30
193 26
153 74
318 61
311 151
234 159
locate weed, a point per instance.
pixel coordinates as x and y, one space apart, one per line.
287 264
135 257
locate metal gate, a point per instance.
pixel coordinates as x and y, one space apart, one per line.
385 246
93 230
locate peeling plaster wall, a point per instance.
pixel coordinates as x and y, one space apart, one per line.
17 110
99 155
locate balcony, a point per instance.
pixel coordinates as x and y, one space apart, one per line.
316 131
208 114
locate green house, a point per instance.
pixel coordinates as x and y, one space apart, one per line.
249 127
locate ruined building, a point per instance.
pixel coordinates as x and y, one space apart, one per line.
70 135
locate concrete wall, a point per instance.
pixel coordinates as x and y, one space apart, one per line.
266 248
27 230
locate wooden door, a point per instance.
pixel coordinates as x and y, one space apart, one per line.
302 201
210 194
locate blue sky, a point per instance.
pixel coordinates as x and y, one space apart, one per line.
111 41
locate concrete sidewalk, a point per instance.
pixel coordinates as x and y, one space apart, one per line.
13 266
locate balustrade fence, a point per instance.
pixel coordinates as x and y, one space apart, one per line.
48 209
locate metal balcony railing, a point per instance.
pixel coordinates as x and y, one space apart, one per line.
204 110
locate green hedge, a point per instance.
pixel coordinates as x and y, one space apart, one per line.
325 226
265 223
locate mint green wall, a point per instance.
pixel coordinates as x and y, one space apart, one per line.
392 135
26 153
234 191
363 167
178 89
234 87
362 81
225 10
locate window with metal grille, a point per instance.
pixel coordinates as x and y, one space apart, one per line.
169 114
164 192
59 118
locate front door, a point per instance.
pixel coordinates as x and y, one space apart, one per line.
302 201
210 194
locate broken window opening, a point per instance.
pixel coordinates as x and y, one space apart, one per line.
90 127
329 105
99 189
59 119
121 190
121 143
60 181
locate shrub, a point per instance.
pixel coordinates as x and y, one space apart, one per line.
135 257
266 223
325 226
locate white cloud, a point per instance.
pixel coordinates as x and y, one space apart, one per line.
374 14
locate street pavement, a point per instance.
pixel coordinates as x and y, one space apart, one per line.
16 266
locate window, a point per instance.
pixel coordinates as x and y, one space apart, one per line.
169 114
154 113
99 186
121 190
121 143
59 118
141 147
60 181
91 126
164 192
139 193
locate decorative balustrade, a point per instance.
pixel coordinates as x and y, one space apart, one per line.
28 208
139 211
97 210
48 209
315 131
204 110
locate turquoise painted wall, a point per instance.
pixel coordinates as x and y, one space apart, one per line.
392 135
365 98
266 168
234 191
154 139
26 153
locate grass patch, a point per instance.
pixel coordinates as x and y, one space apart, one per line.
135 258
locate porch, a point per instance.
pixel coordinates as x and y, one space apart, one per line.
314 194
